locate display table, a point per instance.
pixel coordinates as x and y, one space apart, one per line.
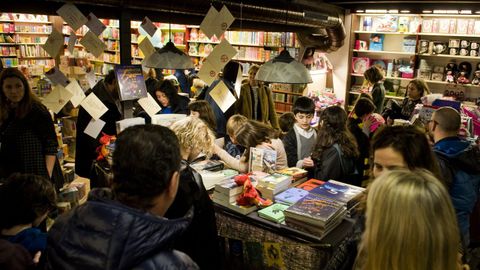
291 249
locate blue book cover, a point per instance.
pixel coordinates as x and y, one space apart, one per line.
338 191
290 196
376 42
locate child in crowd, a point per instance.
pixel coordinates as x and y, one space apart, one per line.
418 206
229 143
203 110
374 78
286 122
199 241
336 152
25 201
362 123
254 134
300 140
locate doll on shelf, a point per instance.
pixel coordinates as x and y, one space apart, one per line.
476 76
450 70
464 69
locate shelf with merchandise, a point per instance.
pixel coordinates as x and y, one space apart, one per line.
384 52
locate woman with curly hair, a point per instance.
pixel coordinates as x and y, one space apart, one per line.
336 152
200 239
254 134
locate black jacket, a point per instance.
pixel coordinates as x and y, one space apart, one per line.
200 239
290 144
329 166
104 234
85 152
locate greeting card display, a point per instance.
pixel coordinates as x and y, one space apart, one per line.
131 84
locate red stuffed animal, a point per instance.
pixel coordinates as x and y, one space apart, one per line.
250 195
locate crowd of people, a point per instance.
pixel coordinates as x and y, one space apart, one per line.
422 183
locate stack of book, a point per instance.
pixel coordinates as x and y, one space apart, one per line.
210 179
226 194
314 214
297 175
273 184
345 194
290 196
274 213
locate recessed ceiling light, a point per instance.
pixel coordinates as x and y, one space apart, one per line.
465 12
360 11
427 11
404 11
376 11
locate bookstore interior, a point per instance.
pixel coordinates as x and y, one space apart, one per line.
64 49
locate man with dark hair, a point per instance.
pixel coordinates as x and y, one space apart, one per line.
123 227
107 91
459 161
300 140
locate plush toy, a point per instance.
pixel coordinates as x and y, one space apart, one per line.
450 70
249 195
476 76
464 70
104 150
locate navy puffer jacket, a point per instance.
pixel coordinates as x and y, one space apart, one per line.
105 234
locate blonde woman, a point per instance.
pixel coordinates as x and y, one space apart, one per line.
200 239
410 224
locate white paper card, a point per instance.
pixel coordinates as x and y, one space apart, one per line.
238 82
93 44
54 43
222 96
167 120
94 24
94 128
91 78
221 54
72 39
57 98
149 105
146 47
72 15
208 23
208 73
77 93
129 122
57 77
148 26
223 21
94 106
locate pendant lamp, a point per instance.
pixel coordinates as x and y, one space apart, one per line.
284 68
169 56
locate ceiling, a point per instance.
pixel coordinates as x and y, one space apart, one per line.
413 6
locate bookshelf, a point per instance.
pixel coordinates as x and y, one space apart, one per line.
110 56
21 37
160 38
284 95
252 47
425 42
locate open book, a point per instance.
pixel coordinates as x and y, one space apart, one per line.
262 160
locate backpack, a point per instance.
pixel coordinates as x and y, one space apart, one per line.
354 178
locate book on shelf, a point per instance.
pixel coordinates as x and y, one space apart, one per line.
342 193
385 23
290 196
376 42
273 212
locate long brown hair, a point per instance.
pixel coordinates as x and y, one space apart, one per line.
205 111
253 133
334 130
25 105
